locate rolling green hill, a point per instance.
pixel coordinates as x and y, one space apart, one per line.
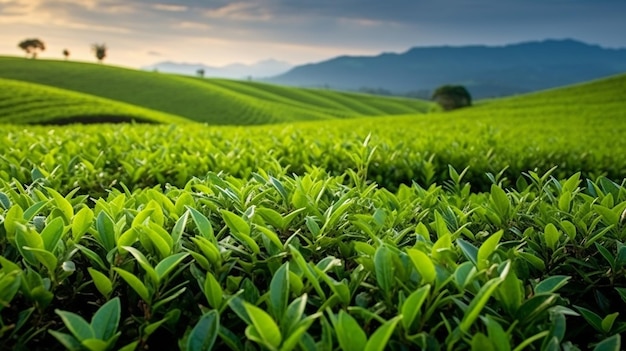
213 101
22 102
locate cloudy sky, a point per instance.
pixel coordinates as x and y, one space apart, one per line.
218 32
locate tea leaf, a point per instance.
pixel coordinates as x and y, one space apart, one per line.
551 284
612 343
102 282
106 231
264 324
279 291
67 340
106 320
46 258
497 334
500 201
134 283
213 291
593 319
486 249
202 223
423 264
235 223
607 322
204 333
551 235
480 300
349 334
52 233
413 304
81 222
379 339
384 269
168 264
62 203
470 251
481 342
76 325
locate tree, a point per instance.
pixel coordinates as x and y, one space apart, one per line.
200 73
32 46
100 50
451 97
66 53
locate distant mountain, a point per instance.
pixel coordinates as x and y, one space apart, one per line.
487 71
261 69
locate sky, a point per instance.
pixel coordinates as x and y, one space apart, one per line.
217 32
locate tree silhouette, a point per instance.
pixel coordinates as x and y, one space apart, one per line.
32 46
451 97
200 73
100 50
66 53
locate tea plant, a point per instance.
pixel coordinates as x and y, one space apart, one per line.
314 261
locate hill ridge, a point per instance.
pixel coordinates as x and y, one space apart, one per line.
213 101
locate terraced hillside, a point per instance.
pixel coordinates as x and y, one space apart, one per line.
206 100
22 102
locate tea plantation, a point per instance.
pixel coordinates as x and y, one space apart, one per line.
498 227
213 101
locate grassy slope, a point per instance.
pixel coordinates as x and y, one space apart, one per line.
22 102
207 100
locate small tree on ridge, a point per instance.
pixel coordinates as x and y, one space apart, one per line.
32 46
100 50
451 97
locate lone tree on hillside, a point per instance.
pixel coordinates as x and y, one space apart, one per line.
32 46
66 53
200 72
100 50
451 97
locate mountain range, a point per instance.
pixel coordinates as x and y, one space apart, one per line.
265 68
486 71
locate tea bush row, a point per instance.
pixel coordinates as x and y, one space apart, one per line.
400 150
308 262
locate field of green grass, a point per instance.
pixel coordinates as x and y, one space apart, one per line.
29 103
497 227
212 101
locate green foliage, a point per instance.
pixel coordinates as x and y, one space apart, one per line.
31 103
452 97
225 262
149 94
355 235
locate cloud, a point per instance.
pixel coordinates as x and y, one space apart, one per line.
240 11
170 8
297 29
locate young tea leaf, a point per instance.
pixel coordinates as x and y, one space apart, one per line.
379 339
423 264
81 222
486 249
349 334
52 233
101 281
413 304
265 326
134 283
